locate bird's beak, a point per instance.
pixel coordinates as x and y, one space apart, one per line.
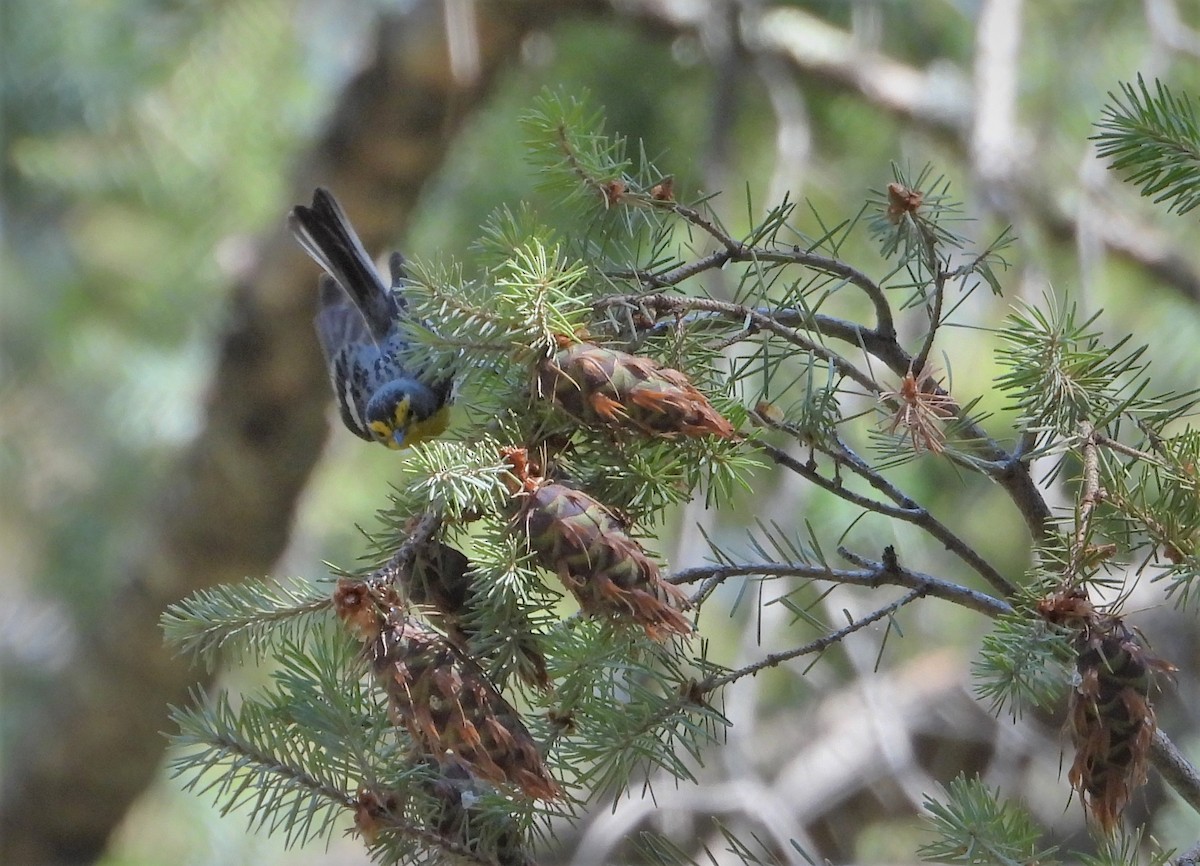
398 438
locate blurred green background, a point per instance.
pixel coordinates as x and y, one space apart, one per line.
152 149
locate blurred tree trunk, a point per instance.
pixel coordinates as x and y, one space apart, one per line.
226 510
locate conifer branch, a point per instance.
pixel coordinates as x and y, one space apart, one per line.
1173 543
257 763
1023 662
249 618
597 438
670 305
935 313
406 831
1000 464
975 826
621 709
1156 137
1177 771
712 683
884 324
401 562
905 507
870 574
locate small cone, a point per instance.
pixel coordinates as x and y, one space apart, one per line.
440 581
609 574
1111 718
447 705
616 389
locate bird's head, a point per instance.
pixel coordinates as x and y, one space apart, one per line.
404 412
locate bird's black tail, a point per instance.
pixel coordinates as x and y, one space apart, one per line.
326 235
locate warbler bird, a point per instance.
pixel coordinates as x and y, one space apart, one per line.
359 325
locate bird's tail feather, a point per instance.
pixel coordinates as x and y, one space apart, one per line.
326 235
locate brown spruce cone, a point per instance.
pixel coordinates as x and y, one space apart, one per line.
448 705
440 582
604 386
579 539
1111 718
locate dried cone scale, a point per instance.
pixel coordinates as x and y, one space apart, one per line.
448 705
615 389
442 697
362 606
580 540
1111 718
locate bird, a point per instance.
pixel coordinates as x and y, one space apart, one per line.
381 397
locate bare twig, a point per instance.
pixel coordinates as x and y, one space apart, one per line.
673 304
732 248
869 573
401 562
905 508
1127 450
735 251
935 313
886 349
1177 771
774 659
1089 496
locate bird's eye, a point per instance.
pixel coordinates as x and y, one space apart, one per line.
382 432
